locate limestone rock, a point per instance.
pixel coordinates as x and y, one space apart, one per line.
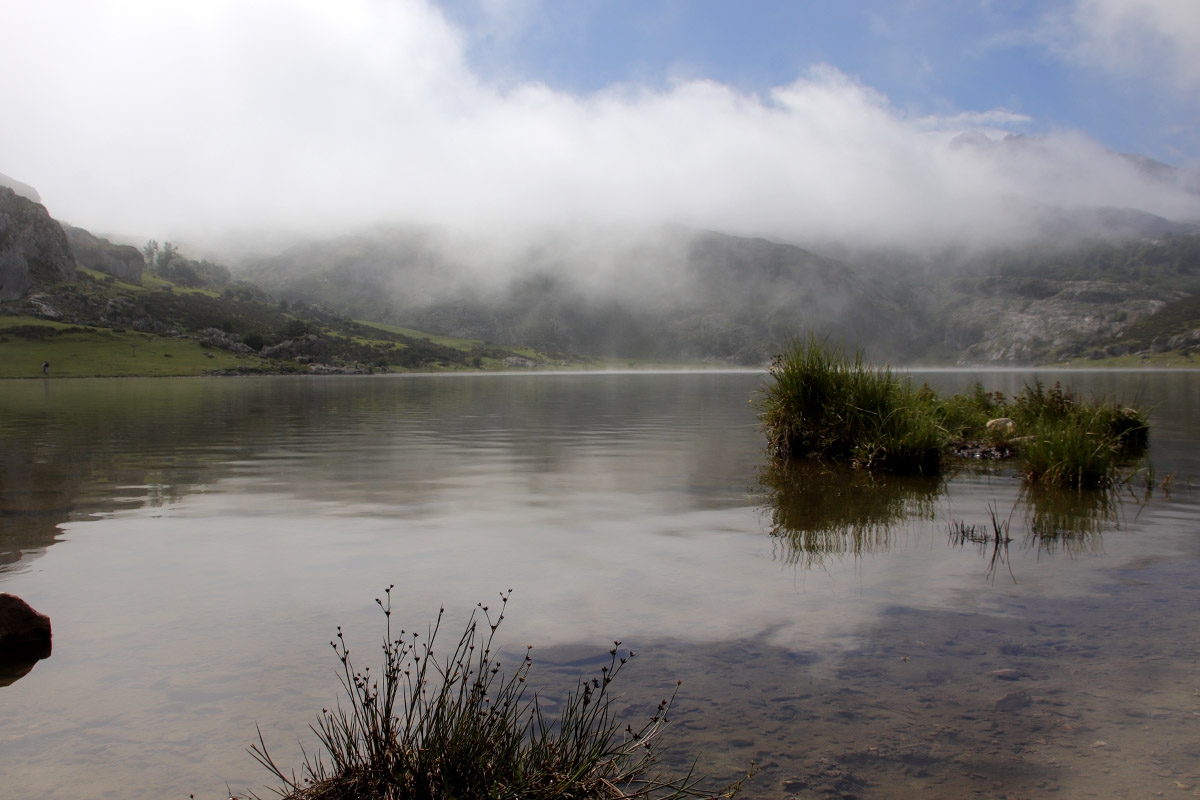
305 349
122 261
34 251
213 337
1003 425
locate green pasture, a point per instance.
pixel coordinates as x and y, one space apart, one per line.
75 352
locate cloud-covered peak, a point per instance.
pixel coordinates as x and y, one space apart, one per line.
153 118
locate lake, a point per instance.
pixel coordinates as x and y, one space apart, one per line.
196 542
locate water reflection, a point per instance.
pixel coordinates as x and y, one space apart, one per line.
990 540
94 447
819 511
1070 520
16 661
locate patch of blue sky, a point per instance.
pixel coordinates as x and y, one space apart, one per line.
927 57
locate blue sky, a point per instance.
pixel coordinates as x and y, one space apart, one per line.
798 120
927 57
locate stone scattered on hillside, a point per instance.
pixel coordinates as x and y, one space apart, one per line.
338 369
213 337
305 349
34 251
1185 340
122 261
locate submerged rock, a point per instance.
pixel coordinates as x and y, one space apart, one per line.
1014 701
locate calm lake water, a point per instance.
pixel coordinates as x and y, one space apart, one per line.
197 541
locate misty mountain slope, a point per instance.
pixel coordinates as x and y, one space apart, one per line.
674 293
1174 326
1009 320
695 294
1055 298
362 275
1170 261
782 290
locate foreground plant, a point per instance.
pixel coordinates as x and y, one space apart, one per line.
457 727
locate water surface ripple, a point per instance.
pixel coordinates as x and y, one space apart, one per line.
196 541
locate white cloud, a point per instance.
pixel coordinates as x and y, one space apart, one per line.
167 119
1159 39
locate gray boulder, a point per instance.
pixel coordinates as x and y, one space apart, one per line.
20 624
214 337
122 261
34 251
305 349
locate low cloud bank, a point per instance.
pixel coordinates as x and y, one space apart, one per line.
316 118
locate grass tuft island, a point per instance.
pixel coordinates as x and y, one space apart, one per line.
825 403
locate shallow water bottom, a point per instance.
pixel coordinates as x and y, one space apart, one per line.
1096 696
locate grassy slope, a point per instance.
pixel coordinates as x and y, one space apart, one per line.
445 341
89 344
96 352
103 320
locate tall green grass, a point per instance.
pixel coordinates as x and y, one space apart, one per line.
457 727
828 403
824 403
1075 442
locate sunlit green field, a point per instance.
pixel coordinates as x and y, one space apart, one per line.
95 352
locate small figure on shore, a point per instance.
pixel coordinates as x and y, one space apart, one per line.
45 367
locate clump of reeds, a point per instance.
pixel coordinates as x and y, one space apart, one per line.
996 539
1075 442
823 403
458 727
826 403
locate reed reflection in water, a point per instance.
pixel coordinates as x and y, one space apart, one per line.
816 511
819 511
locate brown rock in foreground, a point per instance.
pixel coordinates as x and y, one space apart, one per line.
20 624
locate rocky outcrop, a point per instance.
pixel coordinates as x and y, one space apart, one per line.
122 261
305 350
1185 340
23 189
20 624
34 251
1002 320
338 369
213 337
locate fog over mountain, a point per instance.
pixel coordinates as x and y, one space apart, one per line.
389 159
259 121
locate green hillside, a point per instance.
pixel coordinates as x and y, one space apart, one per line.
99 326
